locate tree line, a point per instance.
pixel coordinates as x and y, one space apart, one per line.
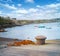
8 22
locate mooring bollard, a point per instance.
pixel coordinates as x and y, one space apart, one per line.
40 40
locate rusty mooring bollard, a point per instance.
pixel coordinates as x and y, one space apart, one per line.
40 40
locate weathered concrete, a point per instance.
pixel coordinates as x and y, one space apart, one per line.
51 48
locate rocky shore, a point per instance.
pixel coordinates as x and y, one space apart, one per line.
2 27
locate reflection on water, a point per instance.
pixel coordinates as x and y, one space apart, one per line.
50 30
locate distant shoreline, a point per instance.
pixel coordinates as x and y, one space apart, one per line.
9 26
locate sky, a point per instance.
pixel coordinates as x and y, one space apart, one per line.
30 9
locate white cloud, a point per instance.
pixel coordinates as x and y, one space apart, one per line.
7 1
39 12
21 11
24 11
19 5
0 12
53 5
31 1
38 6
9 6
33 10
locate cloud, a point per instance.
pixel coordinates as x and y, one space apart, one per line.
24 11
8 6
0 12
53 5
38 12
21 11
19 5
7 1
33 10
38 6
30 1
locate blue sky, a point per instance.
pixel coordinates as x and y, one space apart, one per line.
30 9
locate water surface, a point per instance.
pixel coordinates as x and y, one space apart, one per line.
50 30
